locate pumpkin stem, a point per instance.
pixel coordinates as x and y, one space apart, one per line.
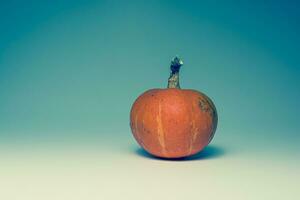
173 81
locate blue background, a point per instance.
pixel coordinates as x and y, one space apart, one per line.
76 67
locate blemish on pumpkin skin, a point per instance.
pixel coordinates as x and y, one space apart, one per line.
145 130
205 106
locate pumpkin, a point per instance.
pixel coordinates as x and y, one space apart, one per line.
173 122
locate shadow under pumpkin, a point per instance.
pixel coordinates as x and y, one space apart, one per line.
208 152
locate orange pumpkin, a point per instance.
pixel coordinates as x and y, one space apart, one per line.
173 122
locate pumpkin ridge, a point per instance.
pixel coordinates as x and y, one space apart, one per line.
160 131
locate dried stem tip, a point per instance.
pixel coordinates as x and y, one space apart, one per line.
173 81
176 63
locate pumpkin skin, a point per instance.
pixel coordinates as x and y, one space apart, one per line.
173 122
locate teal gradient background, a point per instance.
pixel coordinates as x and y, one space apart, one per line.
70 71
